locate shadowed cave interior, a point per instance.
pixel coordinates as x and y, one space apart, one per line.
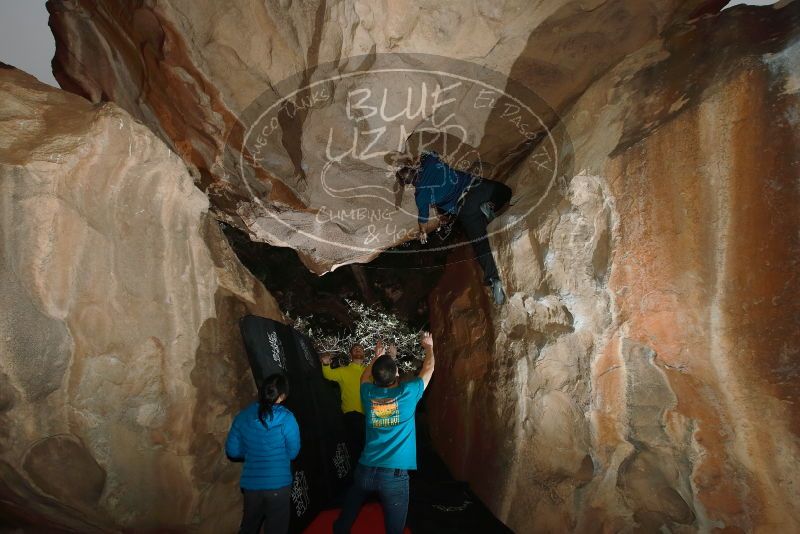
399 286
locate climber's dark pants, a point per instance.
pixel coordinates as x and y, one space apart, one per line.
474 222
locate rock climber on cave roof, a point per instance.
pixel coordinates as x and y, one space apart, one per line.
469 198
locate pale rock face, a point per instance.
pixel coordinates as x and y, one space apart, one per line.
120 361
192 69
643 374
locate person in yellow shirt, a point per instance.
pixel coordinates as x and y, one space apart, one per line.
349 379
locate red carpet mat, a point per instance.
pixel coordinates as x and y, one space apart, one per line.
370 521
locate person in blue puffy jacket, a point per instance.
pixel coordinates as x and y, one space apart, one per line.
266 436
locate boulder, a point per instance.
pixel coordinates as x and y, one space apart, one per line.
121 366
280 107
642 375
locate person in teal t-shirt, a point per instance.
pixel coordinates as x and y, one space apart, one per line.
391 443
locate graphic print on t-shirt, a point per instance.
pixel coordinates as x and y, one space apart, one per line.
384 413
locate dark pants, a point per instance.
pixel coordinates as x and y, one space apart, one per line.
392 487
354 433
272 505
474 222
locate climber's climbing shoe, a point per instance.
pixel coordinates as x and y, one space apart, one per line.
487 208
497 292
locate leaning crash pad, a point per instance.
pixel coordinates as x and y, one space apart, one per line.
323 463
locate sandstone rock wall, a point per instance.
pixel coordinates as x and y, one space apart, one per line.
643 375
191 70
120 361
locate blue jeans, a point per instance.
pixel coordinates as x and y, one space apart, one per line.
392 487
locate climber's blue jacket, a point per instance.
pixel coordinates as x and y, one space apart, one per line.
439 185
267 450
